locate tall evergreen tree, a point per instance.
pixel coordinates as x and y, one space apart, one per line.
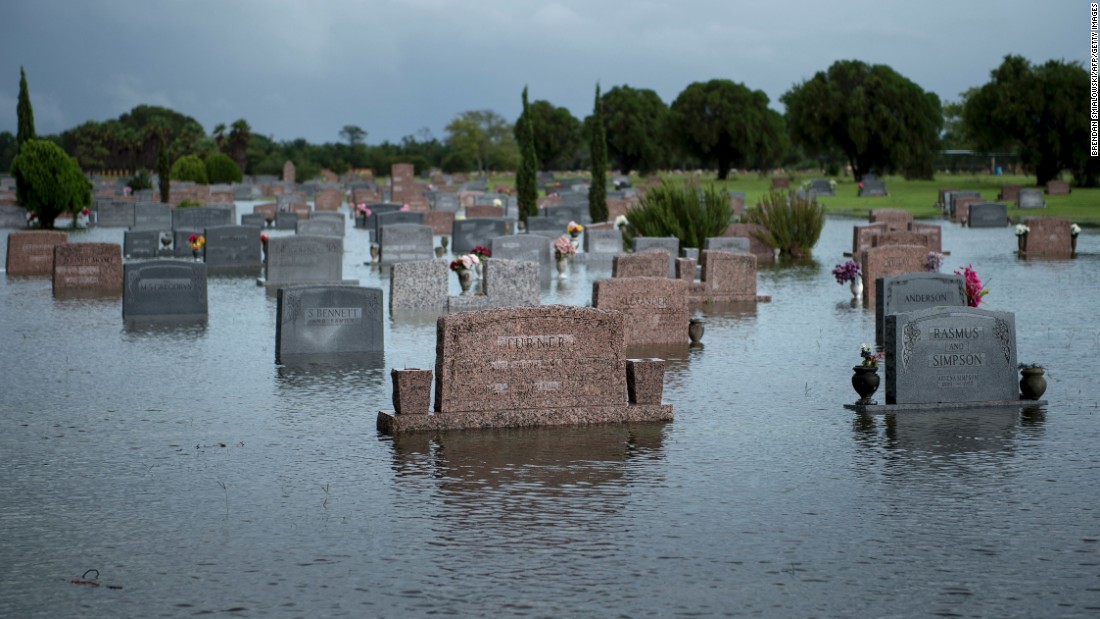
24 112
526 183
597 146
164 169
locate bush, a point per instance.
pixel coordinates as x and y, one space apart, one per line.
140 181
792 223
49 182
188 203
220 168
683 211
189 168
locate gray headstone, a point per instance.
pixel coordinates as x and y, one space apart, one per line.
202 217
822 187
13 217
286 220
164 289
246 192
447 202
1031 198
152 216
254 219
315 321
603 241
529 247
396 217
469 233
951 355
872 187
299 259
988 215
419 286
405 243
910 292
950 196
114 214
668 243
731 244
511 283
315 226
141 243
233 248
572 209
546 226
181 242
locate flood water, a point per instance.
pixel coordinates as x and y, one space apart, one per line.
193 472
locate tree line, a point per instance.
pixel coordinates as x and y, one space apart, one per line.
855 116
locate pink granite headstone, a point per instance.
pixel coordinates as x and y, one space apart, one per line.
649 263
895 219
1049 237
31 253
656 308
87 268
889 260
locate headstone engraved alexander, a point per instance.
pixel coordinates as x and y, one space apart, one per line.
152 216
469 233
313 321
87 269
668 243
31 252
987 215
164 289
1031 198
405 243
300 259
419 286
941 355
732 244
910 292
200 217
656 308
233 248
141 243
320 227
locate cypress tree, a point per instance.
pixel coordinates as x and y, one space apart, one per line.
164 169
526 183
597 147
24 112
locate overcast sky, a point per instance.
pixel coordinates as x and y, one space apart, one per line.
304 69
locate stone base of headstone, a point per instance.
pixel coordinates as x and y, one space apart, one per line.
412 391
645 380
389 423
882 409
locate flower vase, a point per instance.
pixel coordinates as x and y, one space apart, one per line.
1073 245
195 253
480 267
1032 384
1021 244
465 279
856 285
695 330
563 266
865 381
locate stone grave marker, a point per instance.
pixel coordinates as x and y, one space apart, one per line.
1050 237
481 210
726 278
668 243
152 216
910 292
651 263
469 233
324 226
286 220
164 290
441 222
871 187
257 220
608 242
822 187
548 227
328 199
759 248
31 252
1009 193
737 202
405 243
370 222
267 210
201 217
508 283
656 308
419 286
961 207
905 237
447 202
92 269
12 216
886 261
181 242
568 212
933 232
1031 198
302 259
951 354
895 219
141 243
731 244
1057 188
397 217
319 321
288 172
233 248
987 215
951 196
529 247
114 213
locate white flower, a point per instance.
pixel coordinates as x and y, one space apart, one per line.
621 221
497 202
865 348
1074 229
1021 229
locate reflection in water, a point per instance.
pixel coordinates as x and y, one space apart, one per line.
321 372
933 437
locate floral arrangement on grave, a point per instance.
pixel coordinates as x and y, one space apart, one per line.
621 221
363 210
846 271
563 248
497 202
1074 230
197 242
465 262
574 229
974 290
1022 230
933 261
482 252
404 208
263 241
870 359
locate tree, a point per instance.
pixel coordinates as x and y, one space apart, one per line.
726 123
164 169
1035 111
486 138
220 168
635 123
597 147
189 168
557 135
526 182
8 148
880 120
49 182
240 134
353 134
25 113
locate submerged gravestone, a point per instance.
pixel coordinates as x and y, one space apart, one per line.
141 243
987 215
114 213
164 290
731 244
323 226
419 286
469 233
951 355
405 243
31 252
670 244
233 248
529 247
201 217
546 227
915 291
258 220
656 308
1030 198
602 241
312 321
300 259
87 269
152 216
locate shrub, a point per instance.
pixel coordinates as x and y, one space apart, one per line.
140 181
683 211
188 203
220 168
48 182
792 223
189 168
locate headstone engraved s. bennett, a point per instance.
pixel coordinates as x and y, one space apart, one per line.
31 253
327 320
915 291
166 289
952 355
87 269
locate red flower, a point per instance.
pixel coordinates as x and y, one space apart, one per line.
192 238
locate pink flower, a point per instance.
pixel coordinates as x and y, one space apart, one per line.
404 208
